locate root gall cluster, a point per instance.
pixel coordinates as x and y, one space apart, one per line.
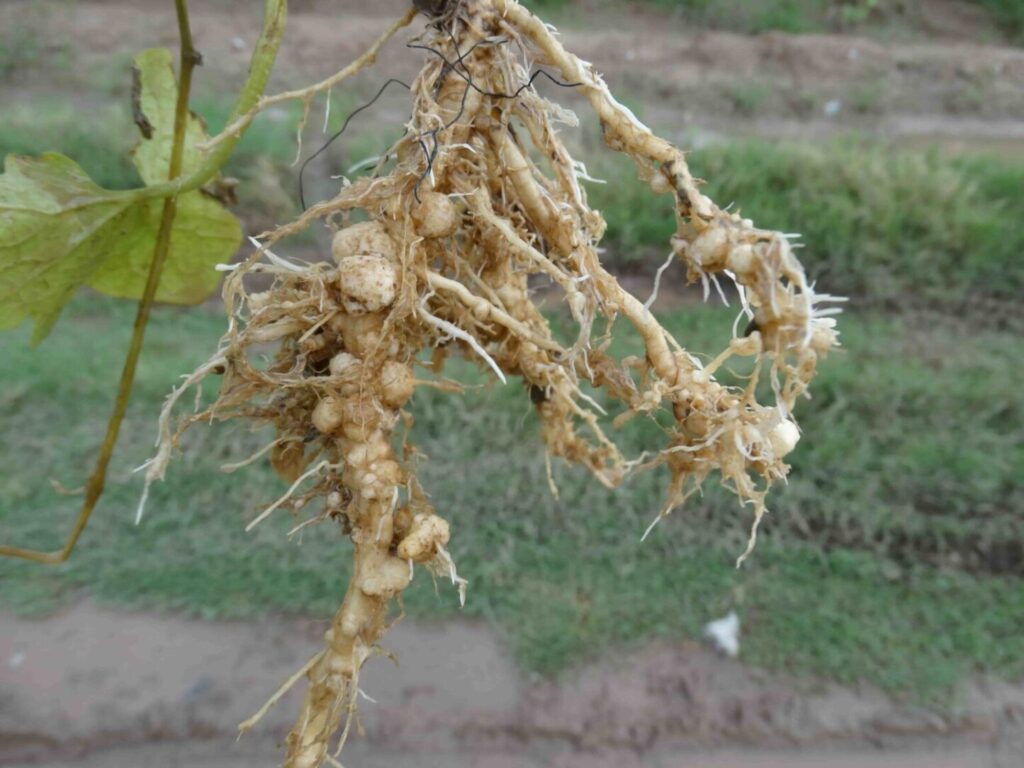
434 252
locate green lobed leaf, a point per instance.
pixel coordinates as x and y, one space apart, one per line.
157 100
59 230
204 233
56 226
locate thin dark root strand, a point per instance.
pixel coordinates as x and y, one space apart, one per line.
492 94
431 156
458 66
337 134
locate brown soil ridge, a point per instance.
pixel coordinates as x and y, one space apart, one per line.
700 83
90 678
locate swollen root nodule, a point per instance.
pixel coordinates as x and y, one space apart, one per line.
453 222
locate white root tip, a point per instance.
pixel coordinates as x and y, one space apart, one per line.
650 527
142 502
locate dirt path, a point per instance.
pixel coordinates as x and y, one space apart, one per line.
92 687
206 755
698 84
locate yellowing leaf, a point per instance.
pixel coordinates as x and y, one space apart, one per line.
59 230
56 228
204 232
157 101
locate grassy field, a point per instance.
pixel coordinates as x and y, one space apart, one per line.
893 556
884 226
888 227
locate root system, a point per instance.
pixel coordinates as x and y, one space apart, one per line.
433 255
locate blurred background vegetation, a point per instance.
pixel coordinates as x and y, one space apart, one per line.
895 554
805 16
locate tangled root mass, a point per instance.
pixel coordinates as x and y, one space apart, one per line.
479 196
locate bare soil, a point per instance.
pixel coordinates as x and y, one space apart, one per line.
95 687
943 85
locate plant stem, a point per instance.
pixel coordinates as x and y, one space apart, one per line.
275 15
241 119
262 62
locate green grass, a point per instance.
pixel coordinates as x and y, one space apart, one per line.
101 137
98 139
883 226
911 431
893 556
1008 13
